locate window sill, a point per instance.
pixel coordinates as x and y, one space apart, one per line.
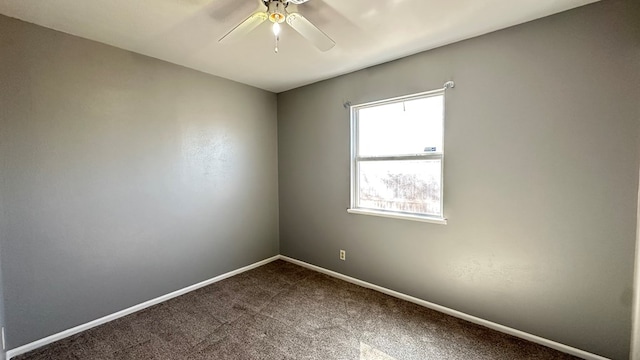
428 219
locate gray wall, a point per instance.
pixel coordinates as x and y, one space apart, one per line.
123 178
541 178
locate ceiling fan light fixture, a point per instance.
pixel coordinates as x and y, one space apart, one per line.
276 28
276 12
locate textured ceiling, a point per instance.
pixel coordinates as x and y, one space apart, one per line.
366 32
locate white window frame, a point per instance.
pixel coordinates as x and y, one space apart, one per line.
356 159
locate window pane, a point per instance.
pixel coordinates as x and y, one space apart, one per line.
405 127
411 186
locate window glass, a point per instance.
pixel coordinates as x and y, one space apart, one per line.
411 186
406 127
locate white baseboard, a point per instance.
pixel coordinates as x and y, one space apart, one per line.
504 329
63 334
476 320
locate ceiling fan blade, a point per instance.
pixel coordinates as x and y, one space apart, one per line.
246 26
310 32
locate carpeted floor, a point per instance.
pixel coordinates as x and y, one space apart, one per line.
283 311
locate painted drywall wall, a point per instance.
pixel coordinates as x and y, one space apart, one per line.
123 178
541 178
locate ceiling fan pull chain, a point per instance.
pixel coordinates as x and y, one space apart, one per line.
276 49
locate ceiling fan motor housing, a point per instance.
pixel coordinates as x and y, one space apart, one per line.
276 11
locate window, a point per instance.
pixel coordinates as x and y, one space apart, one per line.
397 157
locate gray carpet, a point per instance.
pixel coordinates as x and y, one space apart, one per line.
283 311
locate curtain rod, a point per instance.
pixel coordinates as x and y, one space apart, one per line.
447 85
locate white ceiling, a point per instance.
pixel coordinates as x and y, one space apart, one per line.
366 32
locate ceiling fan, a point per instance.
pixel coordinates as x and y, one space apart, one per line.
276 12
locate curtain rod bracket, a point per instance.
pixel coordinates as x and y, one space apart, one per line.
347 104
449 85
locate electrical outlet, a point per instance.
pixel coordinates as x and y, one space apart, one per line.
343 255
